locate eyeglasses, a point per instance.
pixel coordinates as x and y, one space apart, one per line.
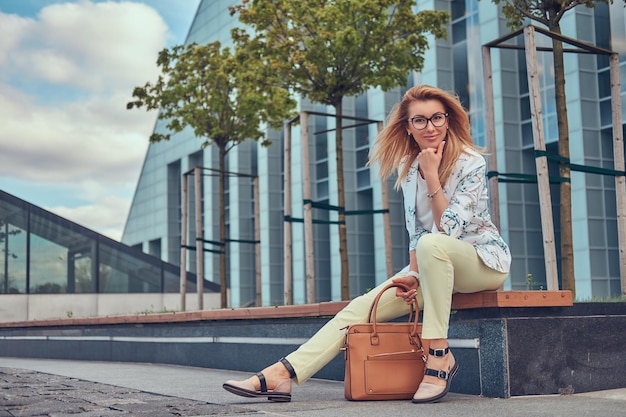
420 122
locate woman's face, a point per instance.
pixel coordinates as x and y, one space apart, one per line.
428 123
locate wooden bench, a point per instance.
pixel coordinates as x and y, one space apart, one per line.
559 298
485 299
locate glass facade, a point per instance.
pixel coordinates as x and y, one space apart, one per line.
44 253
454 64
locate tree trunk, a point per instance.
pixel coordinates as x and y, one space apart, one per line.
222 208
341 202
567 247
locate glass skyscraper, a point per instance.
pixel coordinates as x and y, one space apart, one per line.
454 64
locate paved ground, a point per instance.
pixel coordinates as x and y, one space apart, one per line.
42 387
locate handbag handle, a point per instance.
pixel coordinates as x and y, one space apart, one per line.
414 309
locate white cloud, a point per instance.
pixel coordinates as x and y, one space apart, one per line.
107 215
93 46
12 30
94 138
65 78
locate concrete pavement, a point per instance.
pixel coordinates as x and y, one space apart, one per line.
45 387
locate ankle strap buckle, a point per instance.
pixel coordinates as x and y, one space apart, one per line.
438 352
438 373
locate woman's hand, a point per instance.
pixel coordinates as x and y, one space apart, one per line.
429 160
410 282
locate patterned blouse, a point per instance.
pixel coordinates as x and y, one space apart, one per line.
467 215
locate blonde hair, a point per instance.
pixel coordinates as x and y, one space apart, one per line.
393 148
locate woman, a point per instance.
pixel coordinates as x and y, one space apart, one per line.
453 245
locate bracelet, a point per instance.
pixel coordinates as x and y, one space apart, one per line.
415 275
430 196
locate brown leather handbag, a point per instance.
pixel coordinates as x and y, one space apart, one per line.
384 361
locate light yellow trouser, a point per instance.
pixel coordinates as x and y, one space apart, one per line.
446 265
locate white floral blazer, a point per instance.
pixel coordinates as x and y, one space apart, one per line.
467 215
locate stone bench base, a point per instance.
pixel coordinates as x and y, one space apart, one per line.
508 343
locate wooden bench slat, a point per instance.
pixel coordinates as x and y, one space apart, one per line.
556 298
484 299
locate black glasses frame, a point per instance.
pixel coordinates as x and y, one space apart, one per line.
428 119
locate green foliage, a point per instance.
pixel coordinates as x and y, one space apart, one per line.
531 284
221 95
550 13
224 97
151 310
546 12
327 50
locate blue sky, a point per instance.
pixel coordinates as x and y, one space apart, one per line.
67 70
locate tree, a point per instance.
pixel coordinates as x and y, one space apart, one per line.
327 50
224 97
550 13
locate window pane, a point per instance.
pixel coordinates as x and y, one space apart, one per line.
122 272
362 156
527 134
363 179
12 252
525 108
60 257
48 266
605 113
459 32
321 170
322 189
